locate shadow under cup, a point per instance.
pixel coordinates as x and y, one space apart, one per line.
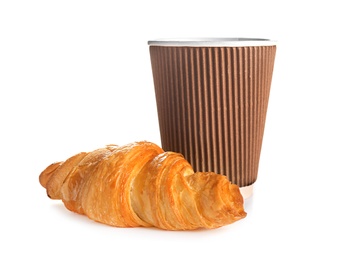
212 97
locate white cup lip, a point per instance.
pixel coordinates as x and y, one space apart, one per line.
213 42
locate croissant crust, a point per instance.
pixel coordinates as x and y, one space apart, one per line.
139 184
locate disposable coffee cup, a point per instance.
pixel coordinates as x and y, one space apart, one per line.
212 97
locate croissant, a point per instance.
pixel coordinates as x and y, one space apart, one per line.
139 184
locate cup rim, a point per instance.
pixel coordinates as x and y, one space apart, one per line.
212 41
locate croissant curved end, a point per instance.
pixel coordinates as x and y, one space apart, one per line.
48 173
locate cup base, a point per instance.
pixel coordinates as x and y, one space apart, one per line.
246 191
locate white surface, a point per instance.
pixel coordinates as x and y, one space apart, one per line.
76 75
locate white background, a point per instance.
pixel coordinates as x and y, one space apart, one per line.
76 75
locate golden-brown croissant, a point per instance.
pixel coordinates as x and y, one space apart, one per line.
141 185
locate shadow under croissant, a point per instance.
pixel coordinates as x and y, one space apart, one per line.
82 219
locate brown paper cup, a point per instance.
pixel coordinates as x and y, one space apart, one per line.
212 98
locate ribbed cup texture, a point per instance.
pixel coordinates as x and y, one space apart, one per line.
212 104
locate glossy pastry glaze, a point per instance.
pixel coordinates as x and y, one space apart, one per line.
139 184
